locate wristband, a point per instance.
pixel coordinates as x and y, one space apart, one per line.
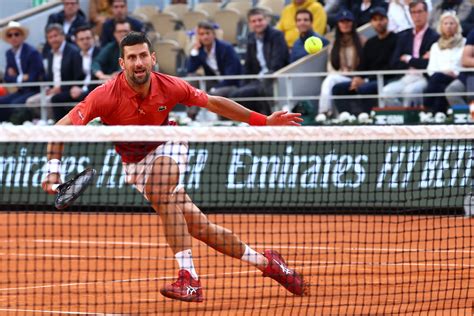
54 166
257 119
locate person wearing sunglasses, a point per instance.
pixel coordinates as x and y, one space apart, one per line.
23 64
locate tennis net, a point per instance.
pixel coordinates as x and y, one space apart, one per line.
378 220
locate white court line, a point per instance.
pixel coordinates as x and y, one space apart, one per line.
116 281
324 264
99 242
52 312
60 256
350 249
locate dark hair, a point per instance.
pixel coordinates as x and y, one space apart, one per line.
335 59
206 25
54 27
111 2
302 11
134 38
121 22
414 3
83 28
257 11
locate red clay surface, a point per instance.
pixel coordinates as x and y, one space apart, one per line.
356 265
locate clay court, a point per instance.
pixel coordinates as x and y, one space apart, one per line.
89 263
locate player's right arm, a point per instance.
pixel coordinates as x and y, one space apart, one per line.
54 153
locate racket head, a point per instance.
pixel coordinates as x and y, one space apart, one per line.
70 190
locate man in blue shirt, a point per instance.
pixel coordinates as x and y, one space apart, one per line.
304 24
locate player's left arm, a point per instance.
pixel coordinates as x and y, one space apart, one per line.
234 111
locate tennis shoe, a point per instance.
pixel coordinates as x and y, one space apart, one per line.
184 289
279 271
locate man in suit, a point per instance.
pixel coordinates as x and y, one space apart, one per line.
64 63
266 53
24 64
70 18
412 52
85 40
120 13
216 57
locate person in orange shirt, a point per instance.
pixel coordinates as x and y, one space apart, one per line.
287 23
140 96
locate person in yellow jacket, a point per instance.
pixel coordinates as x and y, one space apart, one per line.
287 23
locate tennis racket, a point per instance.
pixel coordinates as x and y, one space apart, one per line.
70 190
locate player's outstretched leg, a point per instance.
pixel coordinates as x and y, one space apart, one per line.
159 190
271 263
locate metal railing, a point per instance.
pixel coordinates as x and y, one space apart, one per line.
287 98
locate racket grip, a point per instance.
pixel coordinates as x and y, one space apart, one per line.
55 187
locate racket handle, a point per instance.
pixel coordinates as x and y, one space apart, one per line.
55 187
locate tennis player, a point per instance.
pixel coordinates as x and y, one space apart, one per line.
140 96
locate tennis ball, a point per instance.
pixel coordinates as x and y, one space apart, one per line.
313 44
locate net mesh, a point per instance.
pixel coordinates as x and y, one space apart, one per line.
378 220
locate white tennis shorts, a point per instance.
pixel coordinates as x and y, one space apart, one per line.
138 173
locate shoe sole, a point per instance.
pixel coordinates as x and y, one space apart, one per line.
189 299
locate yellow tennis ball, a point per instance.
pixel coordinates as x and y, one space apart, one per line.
313 44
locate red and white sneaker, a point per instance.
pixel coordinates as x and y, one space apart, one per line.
279 271
184 289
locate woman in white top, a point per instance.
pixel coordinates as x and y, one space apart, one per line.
445 60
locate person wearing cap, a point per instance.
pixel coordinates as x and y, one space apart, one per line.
344 56
23 64
376 56
304 23
411 53
362 9
287 24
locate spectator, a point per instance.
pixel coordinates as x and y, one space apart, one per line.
445 60
287 24
86 42
70 18
218 58
399 16
120 13
376 55
105 65
361 10
344 56
465 81
332 8
24 64
463 9
64 63
412 52
304 24
99 12
266 53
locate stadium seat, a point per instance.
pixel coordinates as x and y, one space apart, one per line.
181 37
169 56
241 6
179 9
192 18
274 6
164 22
228 20
146 10
209 7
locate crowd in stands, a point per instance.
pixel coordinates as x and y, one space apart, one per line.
435 36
